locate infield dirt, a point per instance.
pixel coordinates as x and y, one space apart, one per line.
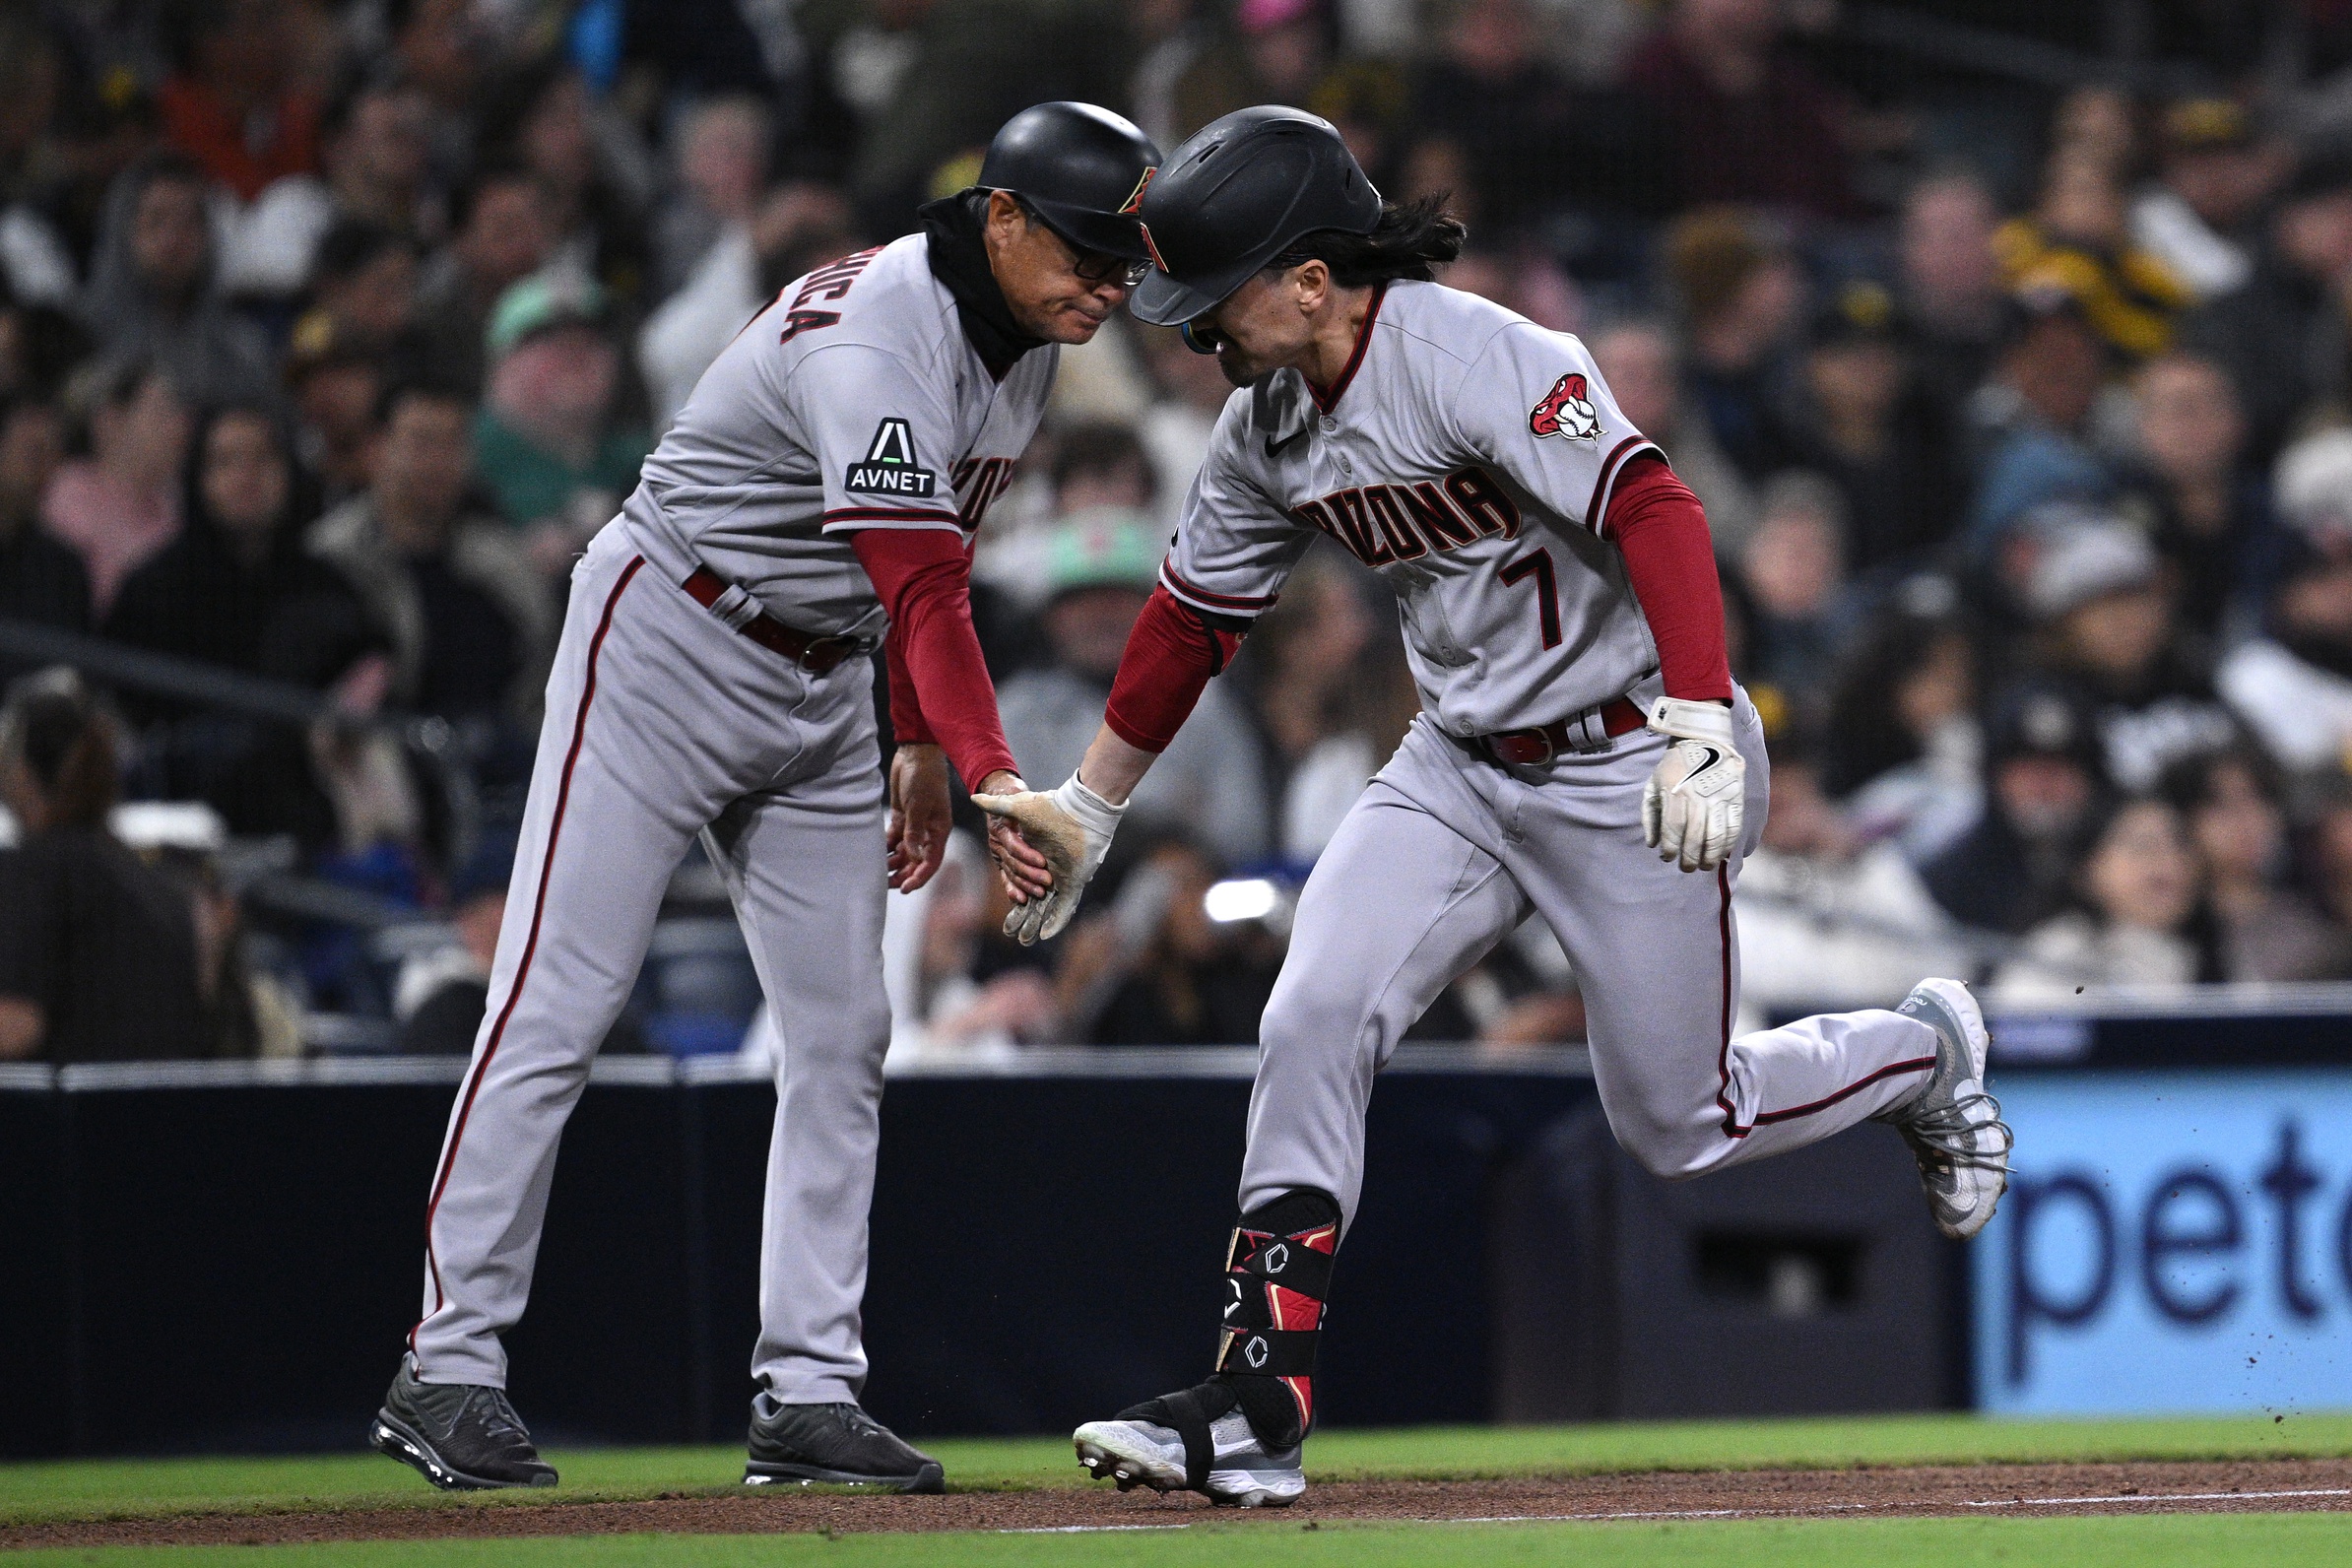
2042 1490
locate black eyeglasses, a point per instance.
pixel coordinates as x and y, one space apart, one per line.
1093 266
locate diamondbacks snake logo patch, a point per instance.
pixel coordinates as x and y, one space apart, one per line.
1566 412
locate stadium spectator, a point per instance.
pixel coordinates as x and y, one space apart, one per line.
2032 422
503 231
365 285
1160 967
334 388
2044 779
42 580
1904 749
1740 296
120 504
1175 428
2197 215
2211 518
721 166
1638 359
99 956
2101 603
1748 122
2139 916
470 621
2292 684
152 291
709 237
1863 427
1827 918
233 104
1793 568
236 588
1949 294
548 446
1100 565
1531 141
596 178
2076 239
377 146
2267 930
2263 332
1332 697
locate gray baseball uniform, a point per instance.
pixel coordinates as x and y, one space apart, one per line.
854 401
1469 455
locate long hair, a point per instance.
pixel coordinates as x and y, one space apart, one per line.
1409 242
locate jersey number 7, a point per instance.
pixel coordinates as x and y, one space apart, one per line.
1537 565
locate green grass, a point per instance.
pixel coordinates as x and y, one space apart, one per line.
100 1488
2270 1540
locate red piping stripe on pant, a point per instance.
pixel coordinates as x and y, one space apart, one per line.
522 972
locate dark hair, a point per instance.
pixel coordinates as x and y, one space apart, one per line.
351 247
432 389
492 173
300 497
1408 242
1101 446
2191 783
54 726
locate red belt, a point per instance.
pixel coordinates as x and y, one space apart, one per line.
817 655
1589 731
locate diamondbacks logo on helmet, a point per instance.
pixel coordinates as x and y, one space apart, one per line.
1566 412
1150 244
1134 198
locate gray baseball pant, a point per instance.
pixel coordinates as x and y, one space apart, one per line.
1441 858
662 723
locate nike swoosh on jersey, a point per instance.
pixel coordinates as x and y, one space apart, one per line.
1274 449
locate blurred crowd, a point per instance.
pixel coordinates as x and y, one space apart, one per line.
331 329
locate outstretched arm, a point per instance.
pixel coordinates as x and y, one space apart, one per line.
941 692
1172 654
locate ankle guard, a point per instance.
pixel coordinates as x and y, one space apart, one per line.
1277 1275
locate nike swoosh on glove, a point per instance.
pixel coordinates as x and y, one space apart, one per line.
1696 799
1072 827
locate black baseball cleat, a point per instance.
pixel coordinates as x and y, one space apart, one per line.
460 1436
837 1444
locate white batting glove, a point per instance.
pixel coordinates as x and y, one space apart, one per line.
1697 795
1072 827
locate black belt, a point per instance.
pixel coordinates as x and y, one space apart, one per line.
817 655
1589 731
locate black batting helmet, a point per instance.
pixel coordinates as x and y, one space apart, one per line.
1235 196
1081 169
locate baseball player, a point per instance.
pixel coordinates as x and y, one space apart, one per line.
816 497
1582 752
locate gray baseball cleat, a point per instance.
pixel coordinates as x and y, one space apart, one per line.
460 1436
839 1445
1183 1443
1954 1127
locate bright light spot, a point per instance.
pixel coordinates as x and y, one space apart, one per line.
1243 898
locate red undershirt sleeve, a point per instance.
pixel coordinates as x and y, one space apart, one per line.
1171 654
923 578
1659 528
907 726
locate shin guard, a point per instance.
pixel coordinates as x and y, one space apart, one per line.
1277 1275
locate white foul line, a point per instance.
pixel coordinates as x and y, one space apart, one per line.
2160 1497
1763 1513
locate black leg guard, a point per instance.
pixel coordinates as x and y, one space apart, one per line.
1278 1277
